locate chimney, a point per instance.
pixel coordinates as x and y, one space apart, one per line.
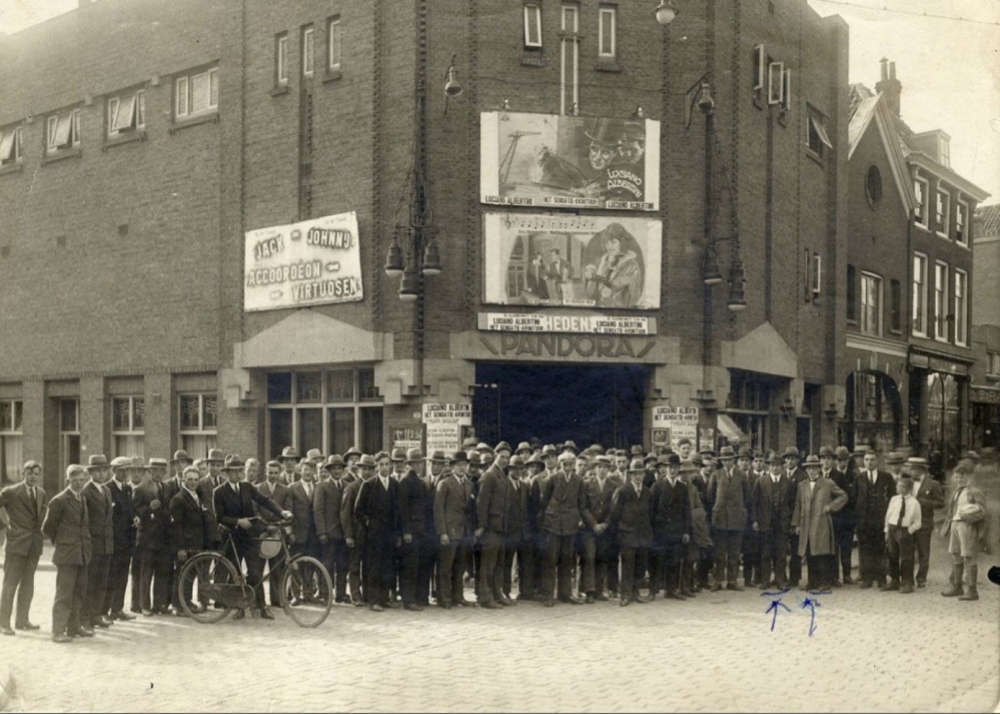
889 85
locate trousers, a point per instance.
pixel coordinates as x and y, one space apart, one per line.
410 556
451 568
727 555
97 585
114 594
922 541
336 559
489 576
773 550
871 552
844 538
633 561
900 549
19 580
558 559
525 551
71 590
354 580
664 570
154 563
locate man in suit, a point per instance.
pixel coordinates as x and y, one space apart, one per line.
451 521
518 540
874 489
306 541
538 469
705 463
234 507
493 511
816 500
206 490
843 520
330 532
772 503
273 488
354 532
747 462
25 504
795 475
599 550
289 460
99 512
630 520
189 531
670 509
123 540
136 471
930 496
729 493
426 580
377 510
171 486
563 505
412 523
67 527
151 540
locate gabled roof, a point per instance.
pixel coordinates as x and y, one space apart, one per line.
988 218
867 108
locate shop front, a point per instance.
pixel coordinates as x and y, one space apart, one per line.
985 404
938 406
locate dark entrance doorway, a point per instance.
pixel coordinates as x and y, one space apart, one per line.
553 403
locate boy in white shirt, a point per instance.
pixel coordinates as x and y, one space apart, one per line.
902 521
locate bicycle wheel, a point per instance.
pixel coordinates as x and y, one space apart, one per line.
306 591
203 578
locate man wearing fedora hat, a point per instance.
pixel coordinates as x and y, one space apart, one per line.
750 549
816 499
537 471
729 494
930 496
843 520
351 458
452 495
518 540
97 496
412 498
795 474
123 541
327 500
289 460
150 507
493 511
874 490
670 509
354 532
773 502
24 504
206 488
598 549
630 520
377 510
563 503
305 540
427 580
273 488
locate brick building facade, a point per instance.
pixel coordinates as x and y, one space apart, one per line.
123 240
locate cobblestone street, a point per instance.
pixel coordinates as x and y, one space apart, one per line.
870 651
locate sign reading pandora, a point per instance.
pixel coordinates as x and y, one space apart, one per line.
314 262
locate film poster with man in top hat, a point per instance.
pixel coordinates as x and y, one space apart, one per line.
566 161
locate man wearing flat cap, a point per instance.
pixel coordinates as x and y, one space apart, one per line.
451 521
875 488
729 494
413 524
563 505
930 496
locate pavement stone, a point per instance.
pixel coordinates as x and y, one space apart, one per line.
870 651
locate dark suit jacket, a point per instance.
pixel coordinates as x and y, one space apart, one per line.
303 521
377 508
188 522
766 495
517 514
122 526
730 495
281 495
930 496
563 504
326 508
451 509
412 494
844 518
24 532
630 515
231 506
206 492
493 503
599 499
670 508
99 512
67 527
347 503
873 500
153 524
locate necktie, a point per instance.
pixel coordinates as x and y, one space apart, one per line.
902 510
159 491
871 477
309 489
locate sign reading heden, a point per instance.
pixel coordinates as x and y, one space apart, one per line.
313 262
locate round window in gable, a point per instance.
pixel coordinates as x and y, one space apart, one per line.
873 186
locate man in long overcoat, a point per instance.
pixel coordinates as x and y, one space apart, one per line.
816 501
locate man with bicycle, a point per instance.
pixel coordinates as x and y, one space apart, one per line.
234 501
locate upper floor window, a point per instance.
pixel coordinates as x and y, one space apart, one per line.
775 83
606 29
196 94
62 131
333 48
895 306
942 214
961 307
919 298
852 294
941 302
816 138
127 112
10 145
871 304
759 61
281 59
532 25
786 89
961 222
993 363
307 51
921 189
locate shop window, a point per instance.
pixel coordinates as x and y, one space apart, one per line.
281 59
919 297
327 410
606 30
62 131
126 113
873 410
943 412
198 427
941 302
196 94
11 439
961 308
871 304
128 426
10 145
532 25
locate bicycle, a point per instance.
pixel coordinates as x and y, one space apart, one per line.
306 590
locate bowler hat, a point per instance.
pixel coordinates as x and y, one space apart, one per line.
216 456
827 451
289 452
459 457
97 461
366 460
791 453
672 460
335 460
414 454
181 455
894 457
398 454
726 453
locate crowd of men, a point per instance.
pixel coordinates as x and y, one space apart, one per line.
396 529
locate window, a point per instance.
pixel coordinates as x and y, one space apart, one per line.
128 426
569 98
942 214
871 304
10 145
919 295
940 301
606 32
196 94
817 139
127 112
62 131
944 151
333 44
961 307
873 185
11 439
993 363
816 274
758 70
852 294
775 85
532 25
895 306
786 90
280 60
69 433
921 189
198 423
961 221
331 411
307 51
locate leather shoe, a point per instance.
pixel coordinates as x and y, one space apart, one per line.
589 600
376 608
507 602
522 597
413 607
864 585
671 595
848 580
266 614
548 602
26 626
625 602
906 589
83 632
393 605
489 605
601 597
61 639
122 615
463 603
240 614
7 631
444 605
921 584
572 600
102 621
716 588
148 613
641 599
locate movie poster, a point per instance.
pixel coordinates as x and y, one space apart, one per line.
567 260
567 161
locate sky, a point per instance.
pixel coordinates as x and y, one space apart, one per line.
949 69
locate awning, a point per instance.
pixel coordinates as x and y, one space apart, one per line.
727 428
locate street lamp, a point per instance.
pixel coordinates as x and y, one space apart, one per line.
665 12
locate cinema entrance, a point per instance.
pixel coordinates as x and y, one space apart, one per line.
587 404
